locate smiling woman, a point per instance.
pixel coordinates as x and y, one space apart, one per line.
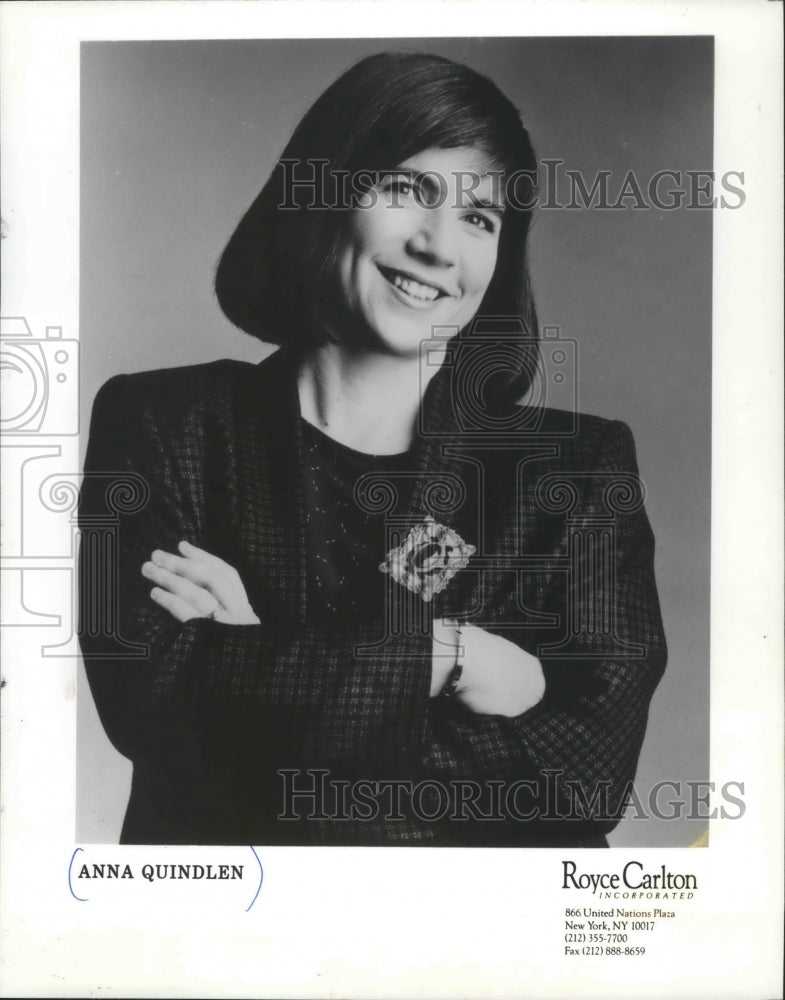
363 565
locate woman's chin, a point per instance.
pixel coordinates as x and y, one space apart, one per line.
391 339
403 343
395 332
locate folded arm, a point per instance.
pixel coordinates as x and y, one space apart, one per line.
590 723
306 682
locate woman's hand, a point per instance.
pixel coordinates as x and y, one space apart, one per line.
498 677
196 584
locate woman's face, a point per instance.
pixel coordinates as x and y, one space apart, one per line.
420 255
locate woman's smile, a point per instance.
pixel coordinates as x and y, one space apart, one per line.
413 290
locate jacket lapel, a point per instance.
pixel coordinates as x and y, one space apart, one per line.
270 511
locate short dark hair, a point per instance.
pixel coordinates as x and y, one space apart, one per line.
276 275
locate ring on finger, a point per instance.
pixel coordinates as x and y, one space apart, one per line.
218 608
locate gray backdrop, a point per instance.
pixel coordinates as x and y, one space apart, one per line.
177 139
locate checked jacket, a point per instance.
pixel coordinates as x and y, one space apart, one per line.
211 714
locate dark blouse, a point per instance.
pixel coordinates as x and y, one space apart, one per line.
346 543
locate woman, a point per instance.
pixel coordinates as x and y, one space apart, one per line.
381 601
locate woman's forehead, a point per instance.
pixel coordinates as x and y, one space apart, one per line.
460 158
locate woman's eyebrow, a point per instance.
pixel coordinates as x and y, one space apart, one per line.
485 203
388 172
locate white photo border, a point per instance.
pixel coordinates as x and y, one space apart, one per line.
407 923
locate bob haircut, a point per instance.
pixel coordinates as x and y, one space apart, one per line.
277 276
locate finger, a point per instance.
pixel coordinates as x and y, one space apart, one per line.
217 577
176 606
202 570
193 552
198 597
221 577
189 569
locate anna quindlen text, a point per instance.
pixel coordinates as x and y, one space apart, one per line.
656 884
154 873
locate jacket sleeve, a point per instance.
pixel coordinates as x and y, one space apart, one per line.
590 724
203 677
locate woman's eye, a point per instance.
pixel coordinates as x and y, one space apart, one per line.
398 186
481 222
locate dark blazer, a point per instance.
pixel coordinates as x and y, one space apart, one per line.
211 714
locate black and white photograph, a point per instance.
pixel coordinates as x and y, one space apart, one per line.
382 446
397 583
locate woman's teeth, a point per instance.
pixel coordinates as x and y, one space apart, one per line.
426 293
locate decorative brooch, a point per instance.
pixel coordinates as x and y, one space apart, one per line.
428 559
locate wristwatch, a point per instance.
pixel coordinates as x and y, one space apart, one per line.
454 677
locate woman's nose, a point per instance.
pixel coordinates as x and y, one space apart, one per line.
433 240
